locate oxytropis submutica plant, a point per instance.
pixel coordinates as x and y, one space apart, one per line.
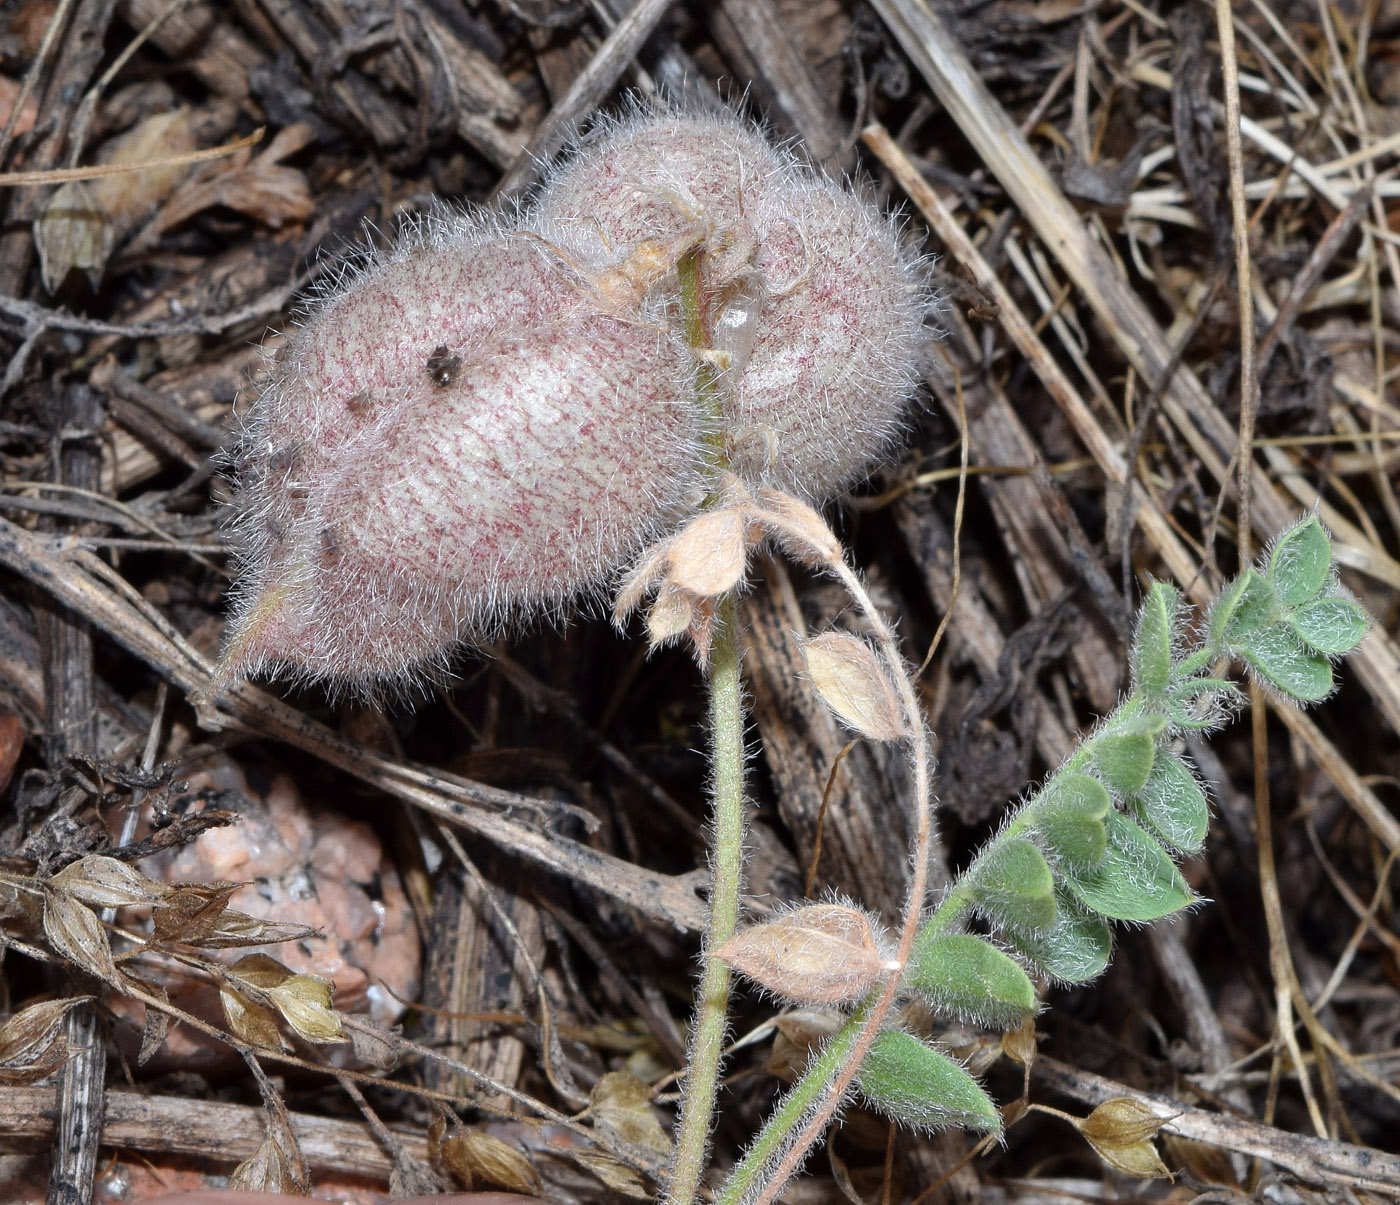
683 343
496 416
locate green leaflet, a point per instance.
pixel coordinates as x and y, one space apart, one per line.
1280 658
1329 625
1301 562
1124 757
1136 880
1152 645
909 1081
1075 949
1070 820
1013 885
1245 605
969 978
1173 805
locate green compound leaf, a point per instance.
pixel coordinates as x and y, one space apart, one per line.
1075 949
1281 659
1244 606
909 1081
1301 562
1172 804
1152 647
1070 820
1136 880
1330 625
968 977
1124 757
1014 887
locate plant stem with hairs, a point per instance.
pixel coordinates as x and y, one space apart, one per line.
726 722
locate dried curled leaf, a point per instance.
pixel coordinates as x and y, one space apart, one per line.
191 912
197 914
375 1045
1019 1044
1121 1131
269 1169
72 234
304 1002
621 1107
250 1020
612 1172
74 932
234 929
474 1158
84 220
851 681
157 1022
257 185
105 882
821 954
32 1042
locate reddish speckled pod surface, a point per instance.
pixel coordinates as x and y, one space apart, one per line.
454 439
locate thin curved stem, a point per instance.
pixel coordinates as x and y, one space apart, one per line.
821 1092
727 789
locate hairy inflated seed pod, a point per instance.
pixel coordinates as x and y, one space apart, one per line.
654 176
453 438
497 415
827 384
812 300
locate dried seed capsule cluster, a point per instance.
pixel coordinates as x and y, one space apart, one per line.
496 417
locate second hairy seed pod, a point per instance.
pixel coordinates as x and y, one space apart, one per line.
811 299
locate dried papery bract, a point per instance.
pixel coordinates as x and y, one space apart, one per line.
691 571
818 954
